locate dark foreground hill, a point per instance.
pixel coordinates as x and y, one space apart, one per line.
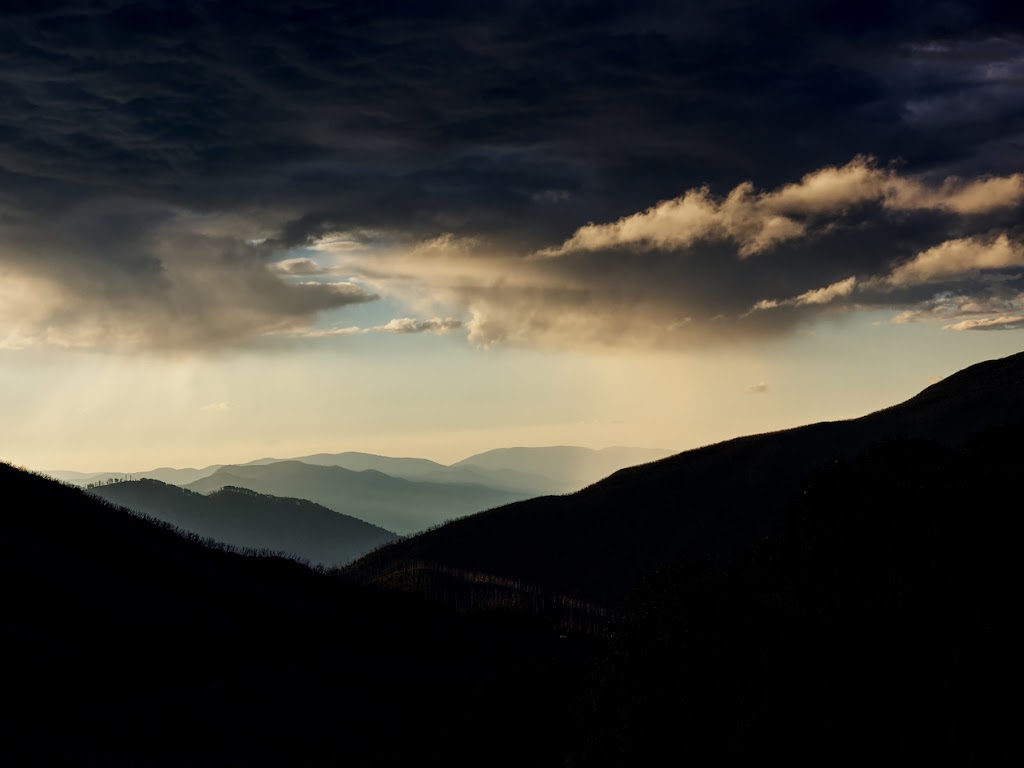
126 644
398 505
714 501
870 629
251 520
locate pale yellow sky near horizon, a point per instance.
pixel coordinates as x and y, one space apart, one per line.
437 397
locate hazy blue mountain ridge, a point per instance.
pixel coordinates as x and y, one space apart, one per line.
535 471
399 505
572 467
247 519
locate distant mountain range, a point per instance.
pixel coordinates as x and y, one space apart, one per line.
400 495
503 477
526 471
249 520
713 501
574 467
403 506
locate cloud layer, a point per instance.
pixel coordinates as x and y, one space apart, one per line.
198 176
178 285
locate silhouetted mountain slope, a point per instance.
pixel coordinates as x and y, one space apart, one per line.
714 500
247 519
871 628
570 467
125 644
959 405
398 505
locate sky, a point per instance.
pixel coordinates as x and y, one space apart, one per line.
231 230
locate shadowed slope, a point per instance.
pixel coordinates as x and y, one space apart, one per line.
713 500
871 627
247 519
127 644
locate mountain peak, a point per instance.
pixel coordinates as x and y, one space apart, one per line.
1001 374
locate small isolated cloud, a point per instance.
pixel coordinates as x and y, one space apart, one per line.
411 325
550 196
298 267
758 389
404 325
349 292
827 294
817 296
218 407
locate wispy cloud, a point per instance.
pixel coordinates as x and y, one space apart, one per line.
817 296
958 261
400 325
297 267
1002 323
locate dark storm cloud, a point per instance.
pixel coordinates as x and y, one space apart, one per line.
207 138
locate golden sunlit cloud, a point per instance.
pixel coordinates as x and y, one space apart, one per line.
954 258
950 261
1006 323
757 221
